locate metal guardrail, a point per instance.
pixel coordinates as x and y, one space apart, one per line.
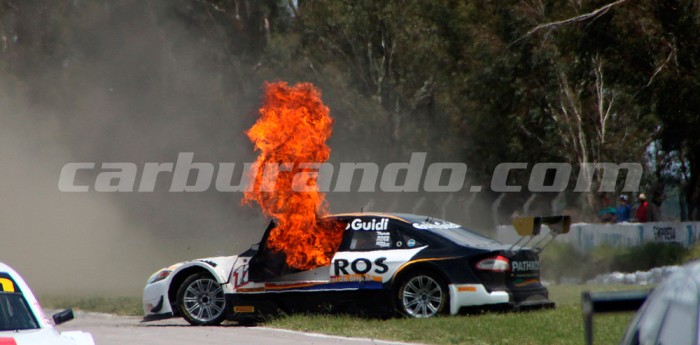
608 302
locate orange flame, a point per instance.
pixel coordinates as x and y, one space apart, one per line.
292 129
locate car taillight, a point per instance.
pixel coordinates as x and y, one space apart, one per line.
495 263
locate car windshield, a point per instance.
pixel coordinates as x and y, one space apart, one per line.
455 233
15 313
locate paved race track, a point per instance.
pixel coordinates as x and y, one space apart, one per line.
120 330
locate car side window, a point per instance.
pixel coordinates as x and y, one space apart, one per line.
407 241
365 234
371 240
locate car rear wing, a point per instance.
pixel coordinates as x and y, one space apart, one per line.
607 302
529 227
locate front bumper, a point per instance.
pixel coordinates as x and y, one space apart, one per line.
156 304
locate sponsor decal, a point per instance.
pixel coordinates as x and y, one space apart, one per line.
276 286
664 233
244 309
524 282
466 289
355 278
359 266
251 289
520 266
358 224
411 243
383 239
436 225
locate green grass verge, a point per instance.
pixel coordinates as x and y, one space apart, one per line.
130 306
561 326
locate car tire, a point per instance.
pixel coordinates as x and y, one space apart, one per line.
422 294
201 300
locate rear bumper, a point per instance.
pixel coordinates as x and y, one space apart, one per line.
475 297
534 305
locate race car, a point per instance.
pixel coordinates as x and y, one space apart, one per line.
415 265
22 320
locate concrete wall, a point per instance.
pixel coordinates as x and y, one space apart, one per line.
586 236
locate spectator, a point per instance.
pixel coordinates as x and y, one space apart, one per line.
643 209
607 213
622 214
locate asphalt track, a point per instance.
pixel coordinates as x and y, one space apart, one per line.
109 329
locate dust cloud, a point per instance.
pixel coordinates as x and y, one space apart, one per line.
137 83
133 86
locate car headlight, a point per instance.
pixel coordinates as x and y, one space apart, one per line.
158 276
162 274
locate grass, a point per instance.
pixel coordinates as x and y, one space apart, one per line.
129 306
561 326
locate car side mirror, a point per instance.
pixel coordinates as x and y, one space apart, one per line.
63 316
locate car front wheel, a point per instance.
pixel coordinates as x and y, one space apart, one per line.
422 295
201 300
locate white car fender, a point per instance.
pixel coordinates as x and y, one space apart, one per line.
79 337
155 295
219 267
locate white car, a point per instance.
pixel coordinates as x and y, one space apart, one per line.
22 320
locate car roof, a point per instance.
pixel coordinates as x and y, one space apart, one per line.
404 217
6 270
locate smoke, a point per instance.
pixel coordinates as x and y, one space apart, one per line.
132 84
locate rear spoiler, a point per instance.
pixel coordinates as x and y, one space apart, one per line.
529 227
607 302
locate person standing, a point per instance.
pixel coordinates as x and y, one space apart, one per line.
642 214
607 213
622 214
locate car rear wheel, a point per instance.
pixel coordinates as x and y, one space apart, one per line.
422 295
201 300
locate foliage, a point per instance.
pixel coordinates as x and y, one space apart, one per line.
693 253
466 81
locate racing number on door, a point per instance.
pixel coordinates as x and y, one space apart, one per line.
240 276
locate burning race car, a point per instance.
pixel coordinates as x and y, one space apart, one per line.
386 263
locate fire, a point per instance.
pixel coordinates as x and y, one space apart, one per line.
292 129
